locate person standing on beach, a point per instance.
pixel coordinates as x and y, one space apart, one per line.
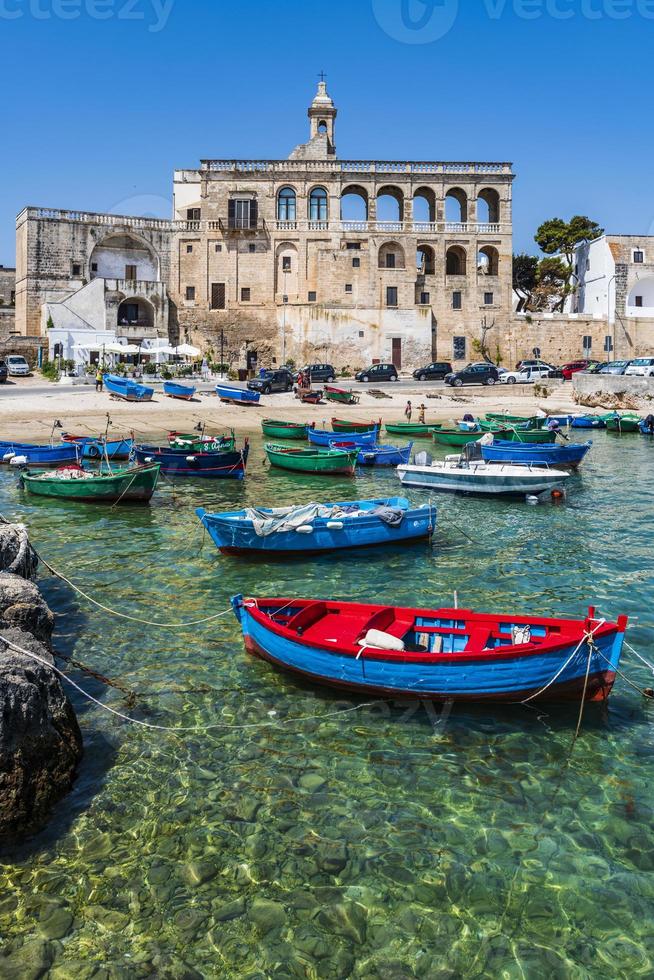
99 379
408 411
421 414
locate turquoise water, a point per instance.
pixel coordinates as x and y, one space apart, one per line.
311 837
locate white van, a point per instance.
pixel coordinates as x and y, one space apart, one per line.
17 366
643 366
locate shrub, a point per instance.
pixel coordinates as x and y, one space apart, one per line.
149 368
165 374
50 370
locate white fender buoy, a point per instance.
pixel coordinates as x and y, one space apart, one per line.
8 456
531 499
191 459
335 525
18 460
304 529
149 459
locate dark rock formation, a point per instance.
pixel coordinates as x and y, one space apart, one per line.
40 740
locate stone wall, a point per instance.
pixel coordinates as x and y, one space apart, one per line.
7 286
613 391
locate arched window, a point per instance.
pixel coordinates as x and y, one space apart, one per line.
425 260
456 206
455 261
286 204
318 204
391 256
488 261
488 206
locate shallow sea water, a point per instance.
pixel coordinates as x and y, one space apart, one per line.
315 837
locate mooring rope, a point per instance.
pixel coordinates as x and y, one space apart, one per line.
646 662
176 728
587 637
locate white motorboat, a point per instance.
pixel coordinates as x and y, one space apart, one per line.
456 474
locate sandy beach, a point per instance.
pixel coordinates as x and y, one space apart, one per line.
27 411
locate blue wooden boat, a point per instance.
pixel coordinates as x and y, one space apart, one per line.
67 452
315 528
128 390
587 422
444 654
329 438
503 451
175 390
646 425
384 455
561 420
185 462
237 396
6 446
98 449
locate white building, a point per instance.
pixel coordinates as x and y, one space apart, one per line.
615 276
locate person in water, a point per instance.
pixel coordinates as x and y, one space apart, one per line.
408 411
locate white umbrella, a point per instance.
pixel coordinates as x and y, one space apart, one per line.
158 350
109 346
186 350
130 349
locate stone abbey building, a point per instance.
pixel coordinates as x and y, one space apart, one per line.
312 257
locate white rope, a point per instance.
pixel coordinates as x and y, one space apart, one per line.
646 662
587 637
176 728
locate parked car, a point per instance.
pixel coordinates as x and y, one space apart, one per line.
596 367
3 371
614 367
527 375
269 381
433 372
377 372
642 367
17 366
537 364
572 367
473 374
319 372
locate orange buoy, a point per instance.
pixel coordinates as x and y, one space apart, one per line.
558 495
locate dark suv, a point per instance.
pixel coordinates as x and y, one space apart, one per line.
433 372
377 372
3 371
270 381
320 372
473 374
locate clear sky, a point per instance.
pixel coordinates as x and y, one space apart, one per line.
102 99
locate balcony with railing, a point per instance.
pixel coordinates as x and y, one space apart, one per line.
397 168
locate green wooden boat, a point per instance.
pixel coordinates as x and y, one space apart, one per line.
124 486
341 396
539 436
455 437
283 430
325 462
411 429
531 421
202 443
343 425
627 422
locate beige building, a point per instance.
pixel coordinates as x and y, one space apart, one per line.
312 257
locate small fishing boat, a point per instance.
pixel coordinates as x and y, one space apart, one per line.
622 422
444 654
196 463
283 430
220 443
417 429
455 437
100 448
325 462
505 451
325 437
68 452
531 421
384 455
646 426
237 396
341 395
486 425
342 425
125 486
588 422
185 393
457 475
308 396
126 389
561 420
313 528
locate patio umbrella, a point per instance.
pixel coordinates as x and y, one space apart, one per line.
186 350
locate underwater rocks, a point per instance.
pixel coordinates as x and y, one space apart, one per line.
40 740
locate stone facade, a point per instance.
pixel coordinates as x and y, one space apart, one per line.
7 286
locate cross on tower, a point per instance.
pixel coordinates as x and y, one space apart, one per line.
322 76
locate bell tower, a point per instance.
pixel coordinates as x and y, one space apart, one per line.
322 117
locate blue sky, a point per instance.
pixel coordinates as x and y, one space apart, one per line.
98 112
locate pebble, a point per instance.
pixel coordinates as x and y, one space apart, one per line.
229 910
267 915
29 962
55 923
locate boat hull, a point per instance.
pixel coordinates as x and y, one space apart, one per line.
98 449
128 391
234 535
384 455
482 478
587 422
237 396
554 672
184 393
623 425
325 437
502 451
126 487
283 430
410 429
325 463
342 425
46 455
182 462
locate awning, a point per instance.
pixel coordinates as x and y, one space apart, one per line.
186 350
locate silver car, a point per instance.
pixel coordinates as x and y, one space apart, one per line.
17 366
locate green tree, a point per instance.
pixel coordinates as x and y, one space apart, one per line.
560 238
525 278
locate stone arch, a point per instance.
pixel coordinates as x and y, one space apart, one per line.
640 301
135 311
456 205
424 206
355 204
425 260
488 260
455 261
488 206
287 269
119 249
391 256
390 204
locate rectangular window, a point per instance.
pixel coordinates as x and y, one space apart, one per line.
245 294
286 263
458 348
639 301
190 292
361 333
312 296
353 246
193 214
587 343
217 295
242 213
348 287
130 272
252 248
488 299
587 265
94 266
356 263
424 299
219 247
76 269
390 260
189 249
457 300
391 296
639 256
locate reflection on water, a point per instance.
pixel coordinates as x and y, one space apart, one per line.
305 840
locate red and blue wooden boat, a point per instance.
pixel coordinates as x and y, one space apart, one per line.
342 425
441 654
185 462
325 437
